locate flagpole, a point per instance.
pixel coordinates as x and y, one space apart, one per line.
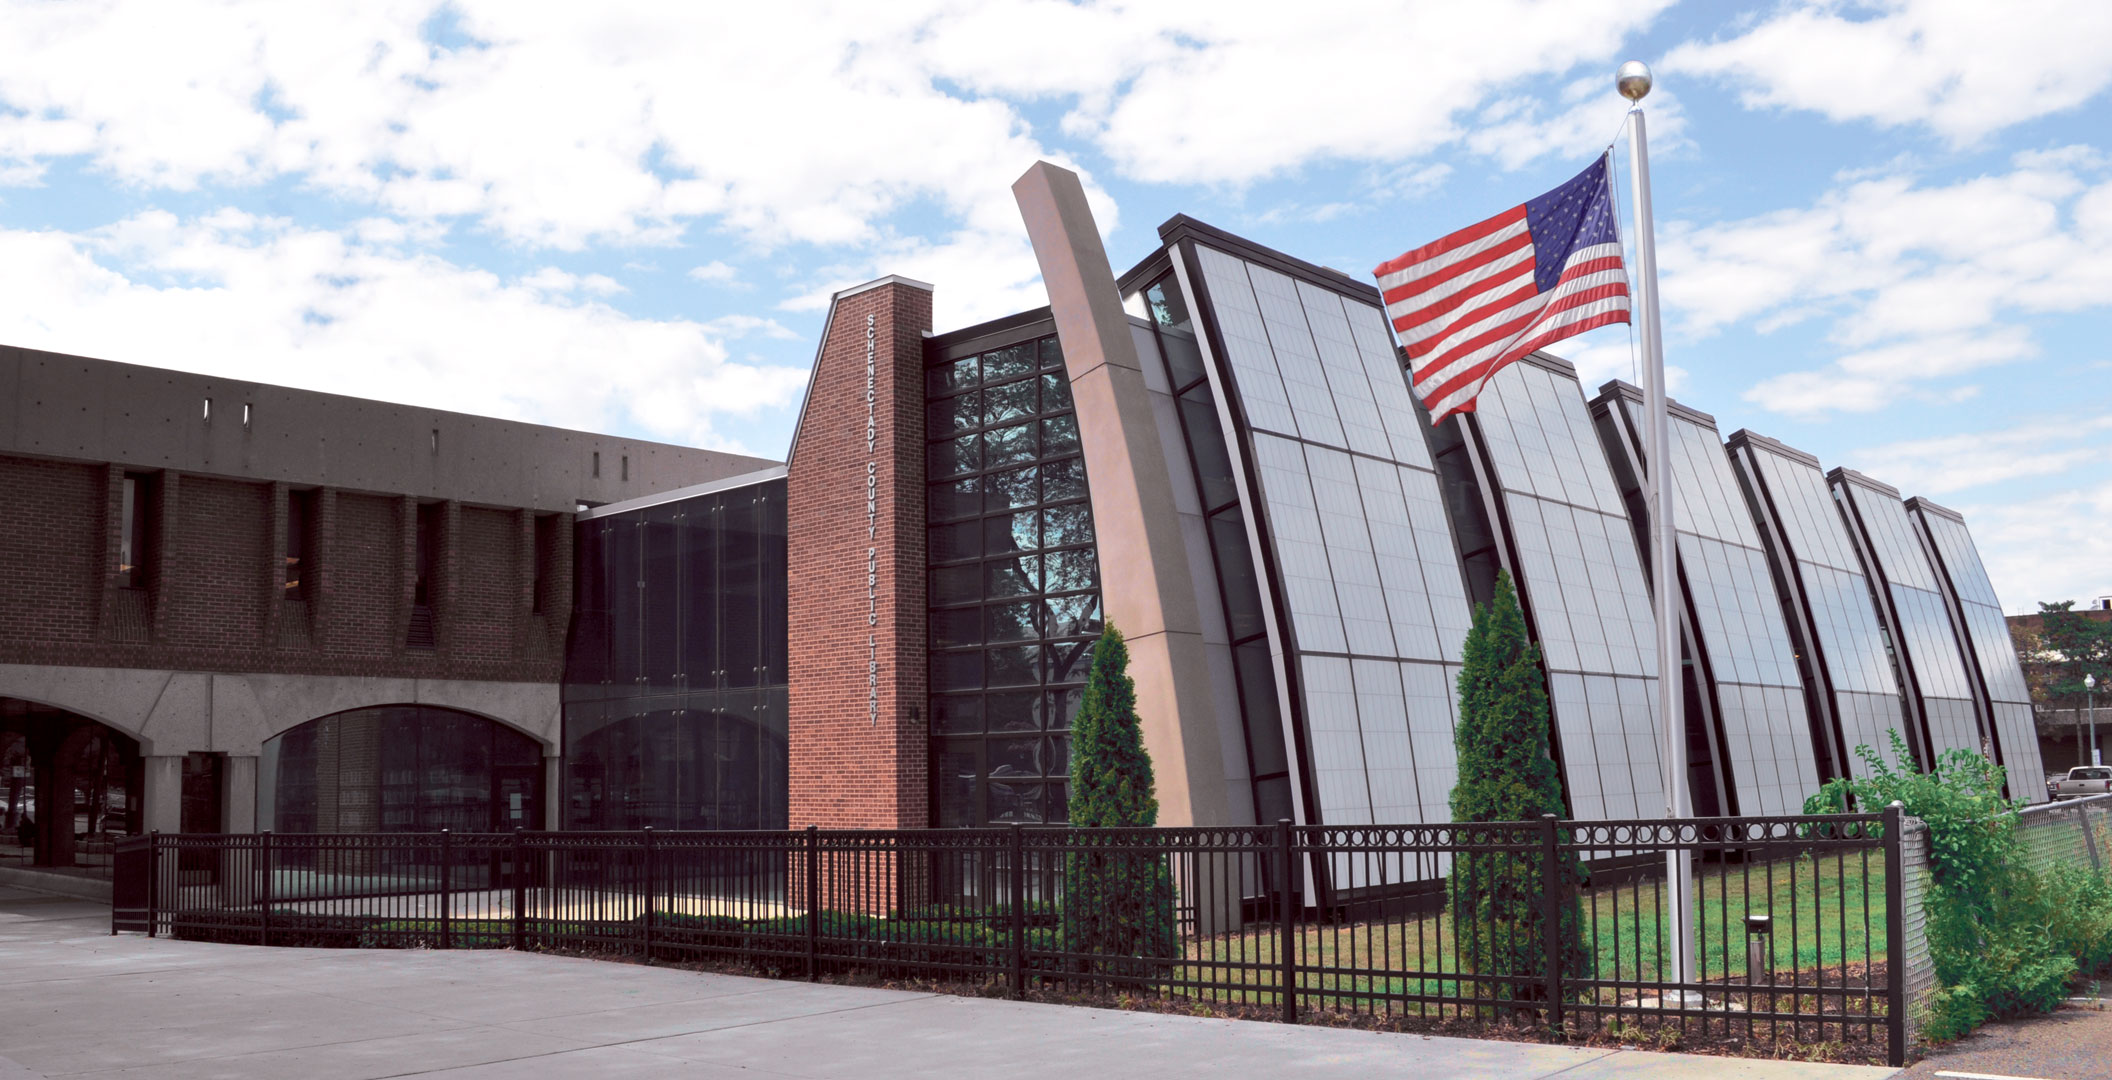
1633 81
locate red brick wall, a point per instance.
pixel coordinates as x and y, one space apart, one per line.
214 597
847 768
54 512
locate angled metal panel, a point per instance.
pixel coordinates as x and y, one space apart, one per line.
1843 652
1996 676
1736 637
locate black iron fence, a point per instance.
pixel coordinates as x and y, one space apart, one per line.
1795 921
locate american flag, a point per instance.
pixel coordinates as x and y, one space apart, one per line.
1468 305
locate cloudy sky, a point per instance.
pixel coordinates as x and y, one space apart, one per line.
1885 230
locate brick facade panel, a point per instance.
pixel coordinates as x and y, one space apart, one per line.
214 601
55 511
849 767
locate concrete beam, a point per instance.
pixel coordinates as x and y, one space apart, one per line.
1147 591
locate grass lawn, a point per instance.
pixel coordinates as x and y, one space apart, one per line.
1818 925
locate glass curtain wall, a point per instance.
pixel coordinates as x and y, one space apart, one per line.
1738 641
1931 668
1984 636
1225 527
1367 585
675 691
1847 656
1582 582
1014 585
400 768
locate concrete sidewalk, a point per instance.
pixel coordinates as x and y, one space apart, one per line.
75 1001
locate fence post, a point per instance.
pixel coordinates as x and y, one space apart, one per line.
813 902
1019 913
154 882
1895 937
520 890
264 891
1287 928
646 886
447 888
1551 922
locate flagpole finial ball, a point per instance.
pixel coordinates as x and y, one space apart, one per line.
1632 80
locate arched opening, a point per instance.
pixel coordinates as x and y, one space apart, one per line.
400 768
70 788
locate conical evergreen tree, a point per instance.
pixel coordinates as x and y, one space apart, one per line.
1118 897
1507 774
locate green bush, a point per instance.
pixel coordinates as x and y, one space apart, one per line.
2004 941
1507 774
1117 901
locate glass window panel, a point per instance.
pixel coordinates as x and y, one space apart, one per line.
1055 392
1063 707
1010 401
1068 661
954 499
950 542
1011 489
1074 616
740 597
1206 443
956 670
956 626
1258 704
958 765
1061 480
1011 532
1059 435
957 714
1013 803
1013 622
1235 565
1072 570
1017 665
1009 446
1014 758
957 375
955 584
1184 358
1015 711
1009 361
1051 352
1068 524
945 416
1017 576
954 456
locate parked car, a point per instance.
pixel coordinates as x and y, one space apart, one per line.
2084 780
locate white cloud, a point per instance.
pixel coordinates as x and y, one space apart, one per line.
1950 463
1914 282
2049 548
259 299
1961 68
714 272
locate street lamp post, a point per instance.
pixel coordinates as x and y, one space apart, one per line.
2090 697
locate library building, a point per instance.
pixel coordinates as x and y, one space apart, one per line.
230 607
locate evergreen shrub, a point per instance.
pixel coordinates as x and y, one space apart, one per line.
1117 900
1506 773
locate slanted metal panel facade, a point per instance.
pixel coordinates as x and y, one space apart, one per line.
1582 581
1371 606
1736 621
1991 657
1826 584
1931 667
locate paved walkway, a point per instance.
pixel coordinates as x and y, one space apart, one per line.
75 1001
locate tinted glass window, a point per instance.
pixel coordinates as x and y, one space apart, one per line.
1014 586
